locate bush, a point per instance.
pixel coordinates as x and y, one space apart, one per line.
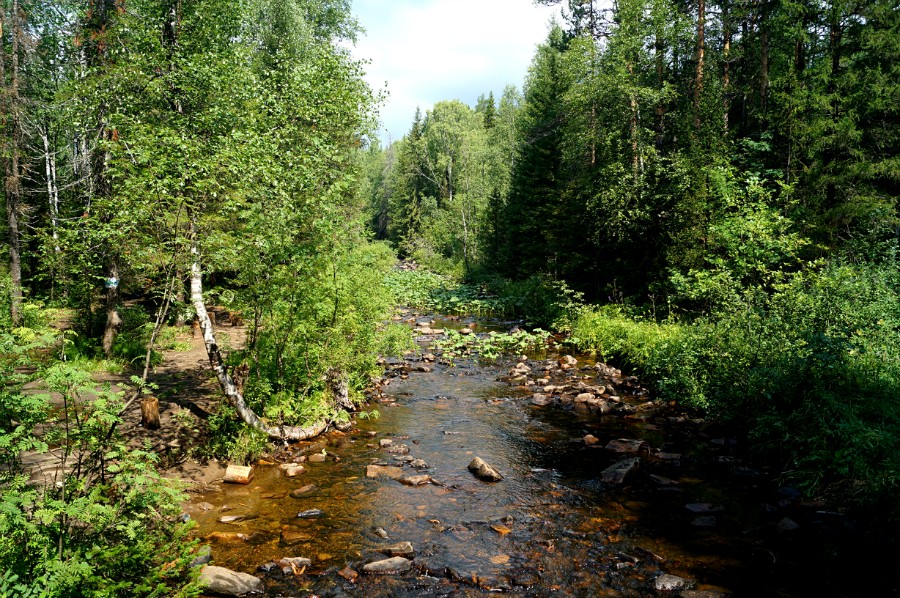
810 371
108 524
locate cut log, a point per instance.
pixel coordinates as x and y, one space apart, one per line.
238 474
150 413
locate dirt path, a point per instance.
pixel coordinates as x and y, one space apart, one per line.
188 394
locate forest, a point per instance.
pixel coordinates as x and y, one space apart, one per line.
702 193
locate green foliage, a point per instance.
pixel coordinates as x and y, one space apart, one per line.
131 342
107 523
491 346
811 370
231 440
539 300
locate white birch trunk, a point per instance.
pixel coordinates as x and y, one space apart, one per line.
234 396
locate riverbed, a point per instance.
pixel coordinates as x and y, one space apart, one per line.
691 515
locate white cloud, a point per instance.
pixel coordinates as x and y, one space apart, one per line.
435 50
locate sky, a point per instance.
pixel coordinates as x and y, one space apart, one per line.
432 50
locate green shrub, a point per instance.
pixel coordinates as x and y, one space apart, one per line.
131 342
810 370
109 525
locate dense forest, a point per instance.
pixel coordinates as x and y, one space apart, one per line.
159 156
703 192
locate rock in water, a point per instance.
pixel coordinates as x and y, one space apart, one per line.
615 473
484 471
374 471
540 400
668 583
404 549
396 564
219 580
309 513
625 445
414 480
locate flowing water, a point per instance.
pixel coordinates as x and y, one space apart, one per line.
692 509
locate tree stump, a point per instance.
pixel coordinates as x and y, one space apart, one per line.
150 413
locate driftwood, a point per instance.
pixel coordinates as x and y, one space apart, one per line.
150 413
231 391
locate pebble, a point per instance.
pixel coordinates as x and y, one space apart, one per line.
625 445
317 458
590 440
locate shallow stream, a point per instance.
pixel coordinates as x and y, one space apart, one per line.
692 509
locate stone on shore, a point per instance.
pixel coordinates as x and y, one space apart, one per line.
238 474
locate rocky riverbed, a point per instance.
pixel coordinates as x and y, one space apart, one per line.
539 475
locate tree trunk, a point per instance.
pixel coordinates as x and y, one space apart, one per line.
660 80
763 67
232 394
150 413
726 75
113 319
13 182
701 52
52 188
